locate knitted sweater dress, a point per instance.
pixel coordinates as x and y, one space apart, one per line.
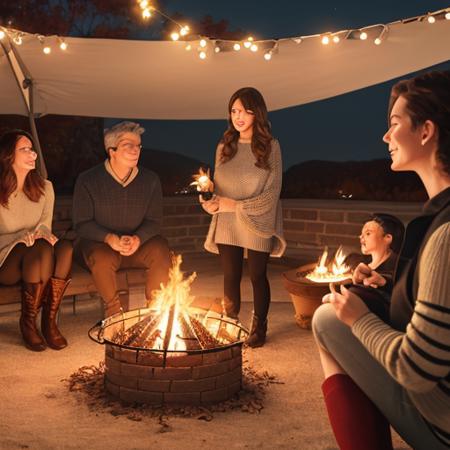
257 222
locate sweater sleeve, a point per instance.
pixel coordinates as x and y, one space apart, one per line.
151 224
49 203
419 358
83 214
258 213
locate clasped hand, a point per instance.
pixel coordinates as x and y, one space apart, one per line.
31 237
125 245
363 274
218 204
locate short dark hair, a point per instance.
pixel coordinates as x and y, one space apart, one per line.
391 225
428 98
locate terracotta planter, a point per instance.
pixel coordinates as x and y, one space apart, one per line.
305 294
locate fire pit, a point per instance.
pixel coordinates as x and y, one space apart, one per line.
173 353
309 283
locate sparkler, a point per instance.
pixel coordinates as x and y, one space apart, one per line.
204 184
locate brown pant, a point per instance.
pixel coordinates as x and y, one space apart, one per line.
103 262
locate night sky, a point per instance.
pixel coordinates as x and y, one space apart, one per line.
347 127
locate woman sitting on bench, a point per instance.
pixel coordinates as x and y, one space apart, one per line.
29 252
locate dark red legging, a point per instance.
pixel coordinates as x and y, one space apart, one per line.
232 258
37 263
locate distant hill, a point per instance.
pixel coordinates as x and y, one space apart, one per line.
174 170
359 180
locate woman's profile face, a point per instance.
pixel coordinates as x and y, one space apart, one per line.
24 155
373 238
404 142
241 118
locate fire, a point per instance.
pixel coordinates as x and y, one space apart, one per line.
339 271
203 181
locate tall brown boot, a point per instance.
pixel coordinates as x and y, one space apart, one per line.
258 331
54 293
31 303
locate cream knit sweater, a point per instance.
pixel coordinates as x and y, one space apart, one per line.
257 222
23 215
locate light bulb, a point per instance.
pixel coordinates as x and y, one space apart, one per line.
363 36
237 46
47 50
203 43
325 40
143 4
336 39
268 56
217 49
63 45
2 34
184 31
377 41
447 16
18 40
431 19
188 47
175 36
146 14
202 55
254 48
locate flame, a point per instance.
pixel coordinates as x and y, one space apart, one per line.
339 271
203 181
173 300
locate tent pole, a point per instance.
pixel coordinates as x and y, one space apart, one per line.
26 90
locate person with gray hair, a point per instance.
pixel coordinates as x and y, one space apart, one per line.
117 211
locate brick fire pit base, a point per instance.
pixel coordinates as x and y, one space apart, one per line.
140 376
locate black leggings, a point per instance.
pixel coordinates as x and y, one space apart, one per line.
232 260
37 263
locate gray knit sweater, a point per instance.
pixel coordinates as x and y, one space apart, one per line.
101 205
257 222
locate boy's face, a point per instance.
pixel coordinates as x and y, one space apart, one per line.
373 238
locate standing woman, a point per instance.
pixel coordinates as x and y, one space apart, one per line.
247 219
378 374
29 252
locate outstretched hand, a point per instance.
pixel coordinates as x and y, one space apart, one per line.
348 306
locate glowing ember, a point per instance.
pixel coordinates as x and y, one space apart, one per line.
171 324
338 272
204 184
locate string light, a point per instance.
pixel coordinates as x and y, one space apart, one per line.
18 39
216 49
248 42
447 15
202 55
254 48
363 36
268 55
431 19
336 39
146 13
175 36
203 43
236 46
184 30
325 40
143 4
62 44
188 47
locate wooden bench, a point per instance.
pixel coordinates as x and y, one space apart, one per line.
82 283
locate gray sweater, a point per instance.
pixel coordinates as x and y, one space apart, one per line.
101 205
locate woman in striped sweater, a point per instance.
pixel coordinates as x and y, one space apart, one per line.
376 374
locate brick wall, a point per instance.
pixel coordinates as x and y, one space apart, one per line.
309 225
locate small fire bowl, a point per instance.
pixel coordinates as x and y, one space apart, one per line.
306 295
172 377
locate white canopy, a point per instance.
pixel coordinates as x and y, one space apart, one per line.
161 80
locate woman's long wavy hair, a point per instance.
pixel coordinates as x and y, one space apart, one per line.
252 100
34 183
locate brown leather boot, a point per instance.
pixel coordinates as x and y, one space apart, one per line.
258 331
31 303
54 293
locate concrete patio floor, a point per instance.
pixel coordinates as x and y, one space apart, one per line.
38 411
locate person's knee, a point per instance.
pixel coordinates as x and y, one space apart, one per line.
157 250
102 257
324 322
42 247
64 247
